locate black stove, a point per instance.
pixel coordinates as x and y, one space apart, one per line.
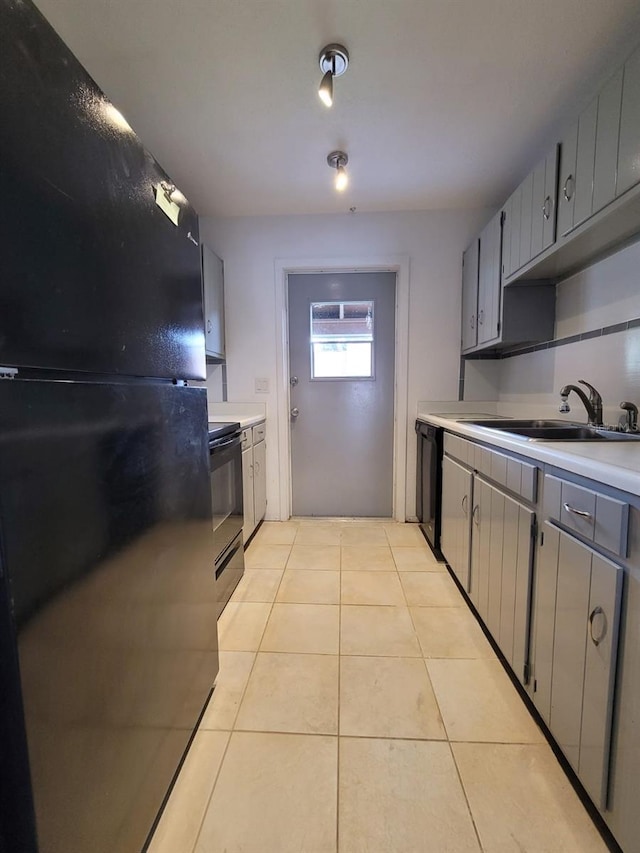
217 431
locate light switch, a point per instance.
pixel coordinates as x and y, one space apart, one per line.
262 386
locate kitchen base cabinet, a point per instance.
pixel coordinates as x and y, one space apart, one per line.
254 478
501 564
456 508
487 539
578 676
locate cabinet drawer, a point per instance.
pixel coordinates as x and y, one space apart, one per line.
599 518
259 432
456 447
247 438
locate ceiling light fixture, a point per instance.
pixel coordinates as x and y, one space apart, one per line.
338 160
334 59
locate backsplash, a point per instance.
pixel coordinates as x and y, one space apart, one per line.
597 338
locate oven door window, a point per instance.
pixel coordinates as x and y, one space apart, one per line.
226 495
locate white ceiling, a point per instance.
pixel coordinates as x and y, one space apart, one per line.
446 103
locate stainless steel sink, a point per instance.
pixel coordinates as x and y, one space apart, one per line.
550 430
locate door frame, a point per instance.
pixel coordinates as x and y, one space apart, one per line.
399 264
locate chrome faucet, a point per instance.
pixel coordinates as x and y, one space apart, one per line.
593 404
632 416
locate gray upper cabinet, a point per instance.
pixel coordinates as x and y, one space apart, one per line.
526 202
567 185
607 139
213 295
531 215
491 315
489 281
629 148
550 200
585 159
470 261
577 157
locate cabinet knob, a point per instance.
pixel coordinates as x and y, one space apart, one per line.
463 503
569 188
475 515
295 412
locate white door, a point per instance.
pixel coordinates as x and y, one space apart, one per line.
342 378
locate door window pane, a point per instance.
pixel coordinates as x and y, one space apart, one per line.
342 340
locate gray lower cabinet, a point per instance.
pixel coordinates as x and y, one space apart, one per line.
254 478
259 480
577 620
501 565
249 524
456 509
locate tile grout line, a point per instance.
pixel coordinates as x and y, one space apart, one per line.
444 726
233 729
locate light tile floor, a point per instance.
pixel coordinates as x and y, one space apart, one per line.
359 708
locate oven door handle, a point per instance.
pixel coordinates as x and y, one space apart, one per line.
220 569
219 445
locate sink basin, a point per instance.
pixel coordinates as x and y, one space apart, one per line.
543 430
508 424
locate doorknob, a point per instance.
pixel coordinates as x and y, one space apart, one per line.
295 412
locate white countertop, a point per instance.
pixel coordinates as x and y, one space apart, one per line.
615 463
245 421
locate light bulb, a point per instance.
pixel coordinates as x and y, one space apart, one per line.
326 89
342 179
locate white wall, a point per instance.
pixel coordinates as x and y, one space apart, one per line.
606 293
433 241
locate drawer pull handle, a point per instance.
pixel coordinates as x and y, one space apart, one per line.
581 512
463 503
597 611
475 515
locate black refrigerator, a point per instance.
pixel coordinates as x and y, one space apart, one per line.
107 597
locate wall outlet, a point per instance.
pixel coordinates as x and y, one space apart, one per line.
262 386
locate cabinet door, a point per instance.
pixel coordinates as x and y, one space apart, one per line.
629 147
507 604
491 613
259 481
545 610
569 650
506 239
599 677
585 158
480 545
213 288
247 493
567 184
514 233
526 202
607 137
538 208
550 198
522 604
456 509
470 297
489 281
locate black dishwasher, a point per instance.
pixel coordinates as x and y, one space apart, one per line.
429 483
